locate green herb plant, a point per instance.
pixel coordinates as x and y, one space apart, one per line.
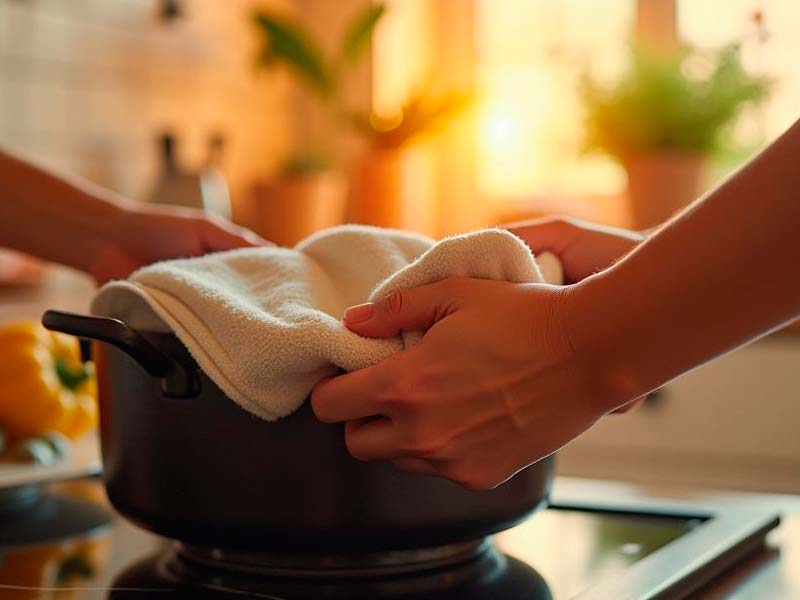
682 103
288 44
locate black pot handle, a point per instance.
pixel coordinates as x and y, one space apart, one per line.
114 332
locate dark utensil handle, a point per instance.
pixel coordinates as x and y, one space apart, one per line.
114 332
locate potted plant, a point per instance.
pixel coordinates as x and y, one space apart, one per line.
663 118
388 176
382 177
309 192
306 196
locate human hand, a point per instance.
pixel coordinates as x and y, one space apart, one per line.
583 247
493 386
144 234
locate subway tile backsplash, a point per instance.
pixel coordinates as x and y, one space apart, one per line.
88 85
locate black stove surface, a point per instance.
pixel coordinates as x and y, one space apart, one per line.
72 551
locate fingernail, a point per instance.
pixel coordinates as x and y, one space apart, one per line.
358 314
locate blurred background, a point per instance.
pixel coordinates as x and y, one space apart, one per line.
439 116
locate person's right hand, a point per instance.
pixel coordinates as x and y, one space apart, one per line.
583 247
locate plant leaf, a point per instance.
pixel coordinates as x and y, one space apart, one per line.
662 104
359 35
423 115
287 43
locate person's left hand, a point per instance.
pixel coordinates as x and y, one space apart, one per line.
492 387
145 234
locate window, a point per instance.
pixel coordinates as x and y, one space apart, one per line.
526 60
769 33
530 55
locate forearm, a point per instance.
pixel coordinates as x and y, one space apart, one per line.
721 274
52 217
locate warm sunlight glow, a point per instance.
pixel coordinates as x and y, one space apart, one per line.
529 54
499 129
771 49
513 132
401 55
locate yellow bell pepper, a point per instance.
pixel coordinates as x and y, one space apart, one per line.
44 385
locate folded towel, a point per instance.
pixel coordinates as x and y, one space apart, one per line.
264 323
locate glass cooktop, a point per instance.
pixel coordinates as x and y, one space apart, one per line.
66 543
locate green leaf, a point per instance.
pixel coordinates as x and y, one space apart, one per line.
70 378
287 43
359 35
74 567
682 102
306 164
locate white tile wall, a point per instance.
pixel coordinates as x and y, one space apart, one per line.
87 85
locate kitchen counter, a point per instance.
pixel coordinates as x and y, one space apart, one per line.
772 573
61 288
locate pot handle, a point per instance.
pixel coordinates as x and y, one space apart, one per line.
114 332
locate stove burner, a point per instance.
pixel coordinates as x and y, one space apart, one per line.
356 565
470 571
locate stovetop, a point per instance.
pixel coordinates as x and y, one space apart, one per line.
68 544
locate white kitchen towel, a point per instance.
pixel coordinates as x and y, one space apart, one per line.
265 323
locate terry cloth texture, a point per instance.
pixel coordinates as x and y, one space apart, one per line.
265 323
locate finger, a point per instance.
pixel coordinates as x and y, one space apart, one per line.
375 439
358 394
403 310
112 263
417 465
222 235
551 233
551 267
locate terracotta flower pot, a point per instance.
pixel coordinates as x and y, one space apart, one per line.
394 188
659 185
294 206
377 197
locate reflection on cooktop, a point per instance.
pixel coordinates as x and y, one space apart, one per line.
30 517
490 575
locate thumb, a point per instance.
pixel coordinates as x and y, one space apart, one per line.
402 310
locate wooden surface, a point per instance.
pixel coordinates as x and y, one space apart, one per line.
62 289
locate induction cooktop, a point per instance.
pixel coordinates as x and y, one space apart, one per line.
63 541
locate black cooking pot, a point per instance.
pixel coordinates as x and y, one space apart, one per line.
184 461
